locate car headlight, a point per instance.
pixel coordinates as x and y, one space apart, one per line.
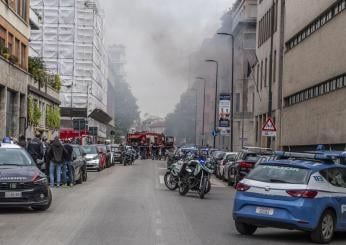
40 180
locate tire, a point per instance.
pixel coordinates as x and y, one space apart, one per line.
208 187
85 175
167 179
325 229
245 229
204 187
236 178
80 180
230 180
183 190
44 207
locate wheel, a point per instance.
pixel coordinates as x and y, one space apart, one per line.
44 207
208 187
325 229
169 182
230 177
236 178
203 189
80 180
245 229
85 175
183 189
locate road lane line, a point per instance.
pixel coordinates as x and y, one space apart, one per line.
162 181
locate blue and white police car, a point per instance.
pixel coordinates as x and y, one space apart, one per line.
302 191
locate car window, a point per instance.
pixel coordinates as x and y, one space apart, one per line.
335 176
252 158
231 157
90 149
279 174
77 152
15 157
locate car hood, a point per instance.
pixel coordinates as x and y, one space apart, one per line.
17 173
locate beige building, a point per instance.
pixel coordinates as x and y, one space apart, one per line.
314 75
14 36
265 9
243 28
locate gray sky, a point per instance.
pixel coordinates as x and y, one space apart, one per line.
159 35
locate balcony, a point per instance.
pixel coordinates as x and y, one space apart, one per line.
45 91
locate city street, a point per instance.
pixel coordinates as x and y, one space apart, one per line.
130 205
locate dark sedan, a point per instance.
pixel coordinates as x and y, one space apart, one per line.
22 184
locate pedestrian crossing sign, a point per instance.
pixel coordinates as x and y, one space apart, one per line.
269 129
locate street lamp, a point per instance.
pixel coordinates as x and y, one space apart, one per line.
217 75
232 83
195 90
205 81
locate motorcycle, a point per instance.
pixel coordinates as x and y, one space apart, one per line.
128 158
195 175
171 177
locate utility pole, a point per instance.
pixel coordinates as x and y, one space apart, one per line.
270 96
204 91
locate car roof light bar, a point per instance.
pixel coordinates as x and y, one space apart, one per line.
317 156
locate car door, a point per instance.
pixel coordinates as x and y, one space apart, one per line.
337 180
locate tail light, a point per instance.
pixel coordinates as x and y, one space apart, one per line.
302 193
245 165
242 187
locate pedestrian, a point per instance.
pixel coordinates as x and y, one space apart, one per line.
35 148
22 141
68 169
55 154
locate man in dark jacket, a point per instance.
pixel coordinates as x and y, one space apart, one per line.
68 169
35 148
55 154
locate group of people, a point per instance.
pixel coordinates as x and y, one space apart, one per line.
54 157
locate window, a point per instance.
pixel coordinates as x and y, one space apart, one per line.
23 56
237 102
2 36
274 68
10 43
335 176
257 80
265 72
18 6
261 74
17 48
24 9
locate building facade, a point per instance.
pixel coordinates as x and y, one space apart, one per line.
71 43
265 9
314 75
14 39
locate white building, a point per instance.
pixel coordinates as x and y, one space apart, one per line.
71 42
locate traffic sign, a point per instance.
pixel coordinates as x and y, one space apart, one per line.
269 129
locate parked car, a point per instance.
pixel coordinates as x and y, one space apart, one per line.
79 165
22 184
216 157
222 163
300 191
245 162
118 154
230 161
109 156
95 157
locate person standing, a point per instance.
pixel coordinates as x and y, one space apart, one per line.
68 169
35 148
55 154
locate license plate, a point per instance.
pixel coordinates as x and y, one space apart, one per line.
13 194
265 211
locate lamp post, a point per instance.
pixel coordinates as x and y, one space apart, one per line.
205 81
195 90
216 78
232 83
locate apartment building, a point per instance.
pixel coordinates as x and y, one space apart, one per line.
14 38
314 75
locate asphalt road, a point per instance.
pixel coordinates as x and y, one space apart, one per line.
130 205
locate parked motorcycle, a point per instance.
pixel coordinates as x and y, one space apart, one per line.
171 177
195 175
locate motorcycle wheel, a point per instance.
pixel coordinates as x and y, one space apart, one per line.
208 187
183 189
168 182
203 189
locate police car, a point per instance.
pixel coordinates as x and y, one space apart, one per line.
22 184
302 191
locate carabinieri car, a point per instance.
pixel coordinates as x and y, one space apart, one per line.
301 191
22 184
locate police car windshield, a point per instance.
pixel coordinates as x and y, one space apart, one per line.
279 174
15 157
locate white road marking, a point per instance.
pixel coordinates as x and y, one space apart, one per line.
217 183
162 181
162 168
158 232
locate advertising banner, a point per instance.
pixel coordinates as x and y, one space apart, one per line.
225 114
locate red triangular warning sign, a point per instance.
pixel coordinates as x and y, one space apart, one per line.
269 125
